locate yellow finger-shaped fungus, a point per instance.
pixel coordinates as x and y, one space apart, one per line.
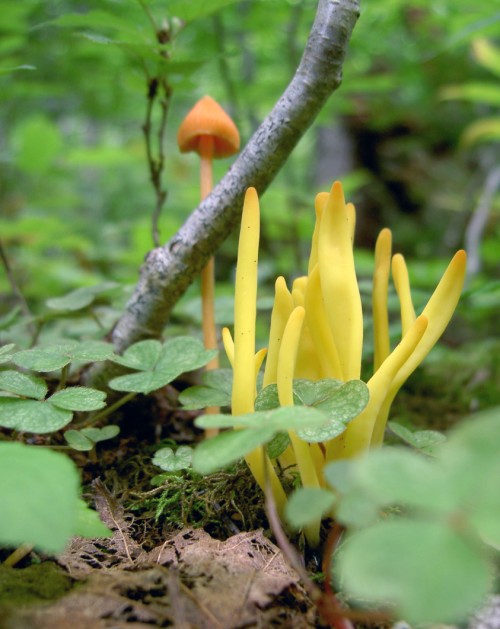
245 306
359 432
402 286
319 204
286 371
228 343
379 297
339 283
245 309
319 327
439 310
282 308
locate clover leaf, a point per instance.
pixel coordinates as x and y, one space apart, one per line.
171 461
23 384
58 355
40 415
79 399
424 440
255 429
159 364
341 403
215 390
6 352
85 439
32 415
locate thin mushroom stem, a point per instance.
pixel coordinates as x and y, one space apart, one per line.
206 148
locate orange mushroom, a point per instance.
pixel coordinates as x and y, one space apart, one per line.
210 132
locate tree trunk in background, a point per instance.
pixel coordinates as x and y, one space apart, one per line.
169 270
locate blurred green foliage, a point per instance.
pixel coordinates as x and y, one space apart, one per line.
75 196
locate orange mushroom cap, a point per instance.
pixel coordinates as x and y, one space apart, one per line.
207 118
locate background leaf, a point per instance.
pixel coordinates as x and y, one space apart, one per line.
78 441
48 483
226 448
142 356
32 416
429 571
23 384
79 399
307 505
80 297
425 440
88 523
6 352
196 9
37 143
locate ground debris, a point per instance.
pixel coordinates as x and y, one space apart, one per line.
83 556
235 580
191 581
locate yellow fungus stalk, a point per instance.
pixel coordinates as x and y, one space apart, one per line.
228 343
288 355
439 310
379 297
245 306
339 284
283 306
286 370
319 327
402 285
359 432
351 217
319 204
245 309
259 359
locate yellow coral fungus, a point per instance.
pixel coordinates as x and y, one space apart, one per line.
316 332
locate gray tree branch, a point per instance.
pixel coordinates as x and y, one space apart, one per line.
169 270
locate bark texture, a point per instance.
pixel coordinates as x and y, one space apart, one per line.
169 270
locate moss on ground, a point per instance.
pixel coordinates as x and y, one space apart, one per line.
36 583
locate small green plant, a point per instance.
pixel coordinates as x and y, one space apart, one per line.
85 440
422 531
158 364
170 461
38 484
